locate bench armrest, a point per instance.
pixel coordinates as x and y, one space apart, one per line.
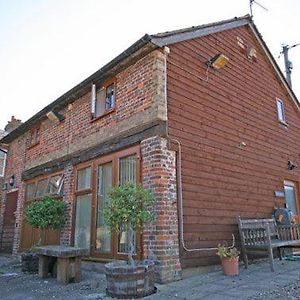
289 232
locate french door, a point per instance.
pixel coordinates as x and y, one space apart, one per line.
94 182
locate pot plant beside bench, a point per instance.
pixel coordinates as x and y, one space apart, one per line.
230 259
128 209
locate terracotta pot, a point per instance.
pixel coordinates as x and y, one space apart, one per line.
230 266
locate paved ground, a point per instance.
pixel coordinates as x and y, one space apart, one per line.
258 282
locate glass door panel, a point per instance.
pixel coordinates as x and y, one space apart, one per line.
290 198
82 237
127 173
103 232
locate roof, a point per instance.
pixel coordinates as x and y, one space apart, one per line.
140 48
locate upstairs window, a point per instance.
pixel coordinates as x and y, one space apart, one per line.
280 111
34 137
103 100
2 163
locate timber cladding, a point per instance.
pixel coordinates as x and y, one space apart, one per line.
234 150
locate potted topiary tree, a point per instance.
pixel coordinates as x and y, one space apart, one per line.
230 259
47 213
129 208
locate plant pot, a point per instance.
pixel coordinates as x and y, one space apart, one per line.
126 281
30 262
230 266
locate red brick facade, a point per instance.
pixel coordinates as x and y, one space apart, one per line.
234 150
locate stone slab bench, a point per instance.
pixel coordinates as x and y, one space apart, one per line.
68 262
259 236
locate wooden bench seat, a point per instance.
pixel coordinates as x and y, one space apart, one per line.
259 236
68 262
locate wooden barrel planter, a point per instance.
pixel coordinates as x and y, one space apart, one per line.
30 262
126 281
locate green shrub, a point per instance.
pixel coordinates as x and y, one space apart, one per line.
130 206
47 213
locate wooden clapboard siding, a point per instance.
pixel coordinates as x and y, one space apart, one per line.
211 119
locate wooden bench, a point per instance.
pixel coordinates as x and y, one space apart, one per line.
68 262
259 236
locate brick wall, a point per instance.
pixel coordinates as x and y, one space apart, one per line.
161 237
66 230
138 89
140 100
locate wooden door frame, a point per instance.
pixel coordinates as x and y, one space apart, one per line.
295 185
114 158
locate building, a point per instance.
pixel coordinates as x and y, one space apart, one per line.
201 116
8 205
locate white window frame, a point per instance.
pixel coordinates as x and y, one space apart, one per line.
2 172
280 111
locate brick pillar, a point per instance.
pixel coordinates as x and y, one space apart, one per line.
161 237
19 219
66 230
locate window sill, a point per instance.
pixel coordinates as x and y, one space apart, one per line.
108 112
283 123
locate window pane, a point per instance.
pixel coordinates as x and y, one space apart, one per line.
127 173
2 163
103 238
110 97
30 191
84 178
83 221
123 241
54 184
290 199
127 169
41 188
100 102
280 111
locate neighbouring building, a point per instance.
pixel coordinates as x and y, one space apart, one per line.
201 116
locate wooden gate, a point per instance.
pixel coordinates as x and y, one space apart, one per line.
9 220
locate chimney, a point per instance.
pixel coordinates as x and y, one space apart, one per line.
12 124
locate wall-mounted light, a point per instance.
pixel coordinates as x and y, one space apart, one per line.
219 61
11 180
291 165
55 116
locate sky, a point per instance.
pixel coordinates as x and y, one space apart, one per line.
49 46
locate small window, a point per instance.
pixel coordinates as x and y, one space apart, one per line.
84 178
41 188
34 137
55 185
30 189
280 110
2 163
104 100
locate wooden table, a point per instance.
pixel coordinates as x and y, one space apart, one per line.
68 262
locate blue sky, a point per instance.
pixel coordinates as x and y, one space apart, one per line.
49 46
